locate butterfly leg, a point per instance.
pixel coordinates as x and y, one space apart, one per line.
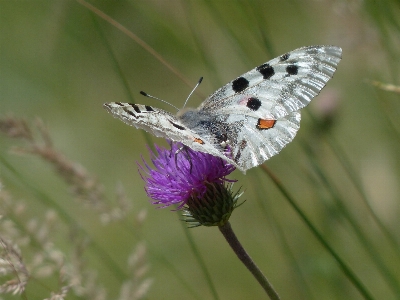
184 150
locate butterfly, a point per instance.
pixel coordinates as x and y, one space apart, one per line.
250 119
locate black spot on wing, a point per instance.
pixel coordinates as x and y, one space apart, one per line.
284 57
177 126
148 108
130 112
292 69
266 71
253 103
135 107
119 103
242 145
240 84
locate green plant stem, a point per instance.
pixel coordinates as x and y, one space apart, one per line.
237 247
200 261
347 271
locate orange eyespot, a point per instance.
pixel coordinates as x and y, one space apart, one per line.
200 141
265 124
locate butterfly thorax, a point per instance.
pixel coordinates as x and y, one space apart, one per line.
194 118
213 128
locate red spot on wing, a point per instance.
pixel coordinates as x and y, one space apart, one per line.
265 124
243 101
200 141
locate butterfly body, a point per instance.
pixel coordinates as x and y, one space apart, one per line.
250 119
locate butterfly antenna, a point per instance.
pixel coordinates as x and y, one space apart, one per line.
198 83
150 96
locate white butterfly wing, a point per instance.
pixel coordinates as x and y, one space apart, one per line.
254 145
264 102
253 116
244 139
162 124
278 87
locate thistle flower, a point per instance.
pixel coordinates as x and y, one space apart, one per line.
197 182
193 180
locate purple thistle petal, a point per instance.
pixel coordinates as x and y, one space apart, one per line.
180 173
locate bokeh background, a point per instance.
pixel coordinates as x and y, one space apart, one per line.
60 61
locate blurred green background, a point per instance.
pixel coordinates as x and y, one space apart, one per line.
61 62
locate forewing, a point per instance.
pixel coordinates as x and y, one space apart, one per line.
278 87
162 124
